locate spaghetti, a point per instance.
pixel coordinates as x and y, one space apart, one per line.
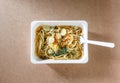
58 42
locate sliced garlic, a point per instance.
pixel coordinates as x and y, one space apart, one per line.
50 40
63 32
50 51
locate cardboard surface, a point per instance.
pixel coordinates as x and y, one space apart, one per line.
104 25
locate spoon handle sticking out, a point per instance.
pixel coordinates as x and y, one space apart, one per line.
106 44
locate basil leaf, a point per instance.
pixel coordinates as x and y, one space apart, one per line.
64 50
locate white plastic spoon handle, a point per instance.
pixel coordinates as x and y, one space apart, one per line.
106 44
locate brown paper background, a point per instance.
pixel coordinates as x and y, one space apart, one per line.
103 17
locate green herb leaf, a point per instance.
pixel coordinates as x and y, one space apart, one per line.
46 27
64 50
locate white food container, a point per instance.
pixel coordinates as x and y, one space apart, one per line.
81 23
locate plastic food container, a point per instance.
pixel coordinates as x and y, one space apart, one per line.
81 23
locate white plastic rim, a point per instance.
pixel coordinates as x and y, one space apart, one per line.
83 24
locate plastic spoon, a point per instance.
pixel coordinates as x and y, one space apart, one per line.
106 44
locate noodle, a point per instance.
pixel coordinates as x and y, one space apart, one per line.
58 42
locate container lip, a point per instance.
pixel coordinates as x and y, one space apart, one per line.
83 60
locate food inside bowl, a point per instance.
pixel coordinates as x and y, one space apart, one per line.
58 42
